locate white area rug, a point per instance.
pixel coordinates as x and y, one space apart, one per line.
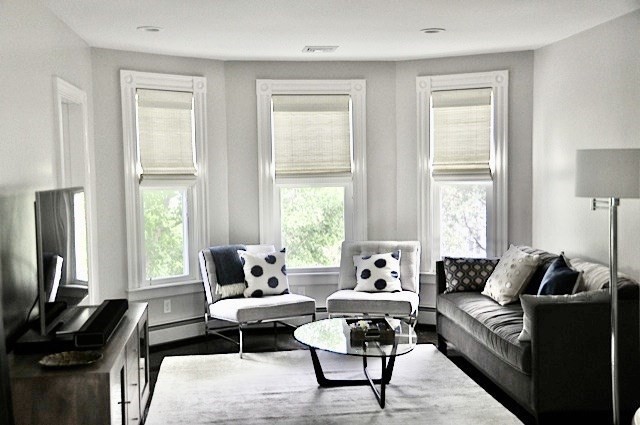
281 388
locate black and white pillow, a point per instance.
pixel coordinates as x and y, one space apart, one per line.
378 272
264 274
467 274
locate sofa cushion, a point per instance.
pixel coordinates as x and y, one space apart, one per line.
467 274
596 276
496 326
511 275
529 303
560 279
546 258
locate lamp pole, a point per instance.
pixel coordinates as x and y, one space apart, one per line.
613 291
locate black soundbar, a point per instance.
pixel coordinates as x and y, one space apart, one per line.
97 330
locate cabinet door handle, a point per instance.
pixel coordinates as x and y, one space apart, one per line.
134 385
124 402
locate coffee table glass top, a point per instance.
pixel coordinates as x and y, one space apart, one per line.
335 335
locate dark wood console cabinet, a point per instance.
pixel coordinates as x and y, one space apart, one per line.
114 390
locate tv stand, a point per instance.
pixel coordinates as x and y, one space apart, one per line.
114 390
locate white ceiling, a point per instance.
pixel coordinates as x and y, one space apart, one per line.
363 29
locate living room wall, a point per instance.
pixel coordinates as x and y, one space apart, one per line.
586 96
35 46
233 152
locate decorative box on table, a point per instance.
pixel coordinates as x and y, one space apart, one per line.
371 330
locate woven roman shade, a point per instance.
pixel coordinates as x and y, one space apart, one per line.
461 134
311 135
165 132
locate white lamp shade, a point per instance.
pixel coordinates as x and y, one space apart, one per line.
608 173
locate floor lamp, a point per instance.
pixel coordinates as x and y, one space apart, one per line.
612 174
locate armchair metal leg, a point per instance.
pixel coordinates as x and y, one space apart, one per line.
240 338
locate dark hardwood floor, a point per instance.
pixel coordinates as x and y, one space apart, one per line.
265 340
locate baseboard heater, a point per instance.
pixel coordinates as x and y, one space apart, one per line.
97 330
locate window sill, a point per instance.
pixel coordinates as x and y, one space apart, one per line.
309 278
164 290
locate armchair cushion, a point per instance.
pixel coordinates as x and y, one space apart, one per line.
229 276
265 274
213 291
378 272
348 301
246 310
409 263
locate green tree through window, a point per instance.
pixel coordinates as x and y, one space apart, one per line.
463 220
312 225
164 232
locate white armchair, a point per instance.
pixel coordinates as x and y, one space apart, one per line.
243 312
403 304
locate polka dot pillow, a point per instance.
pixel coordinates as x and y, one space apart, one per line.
378 272
264 274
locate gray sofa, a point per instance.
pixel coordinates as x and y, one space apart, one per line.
565 369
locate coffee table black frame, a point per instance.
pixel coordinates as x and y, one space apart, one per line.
387 363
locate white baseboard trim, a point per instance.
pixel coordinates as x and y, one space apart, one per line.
167 333
427 317
175 333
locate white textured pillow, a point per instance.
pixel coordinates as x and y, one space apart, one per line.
265 274
378 272
529 303
511 276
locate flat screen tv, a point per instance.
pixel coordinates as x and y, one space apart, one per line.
62 253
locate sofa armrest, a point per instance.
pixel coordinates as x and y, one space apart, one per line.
571 357
441 282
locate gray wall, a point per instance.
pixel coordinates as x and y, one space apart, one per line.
233 151
110 169
34 47
243 138
587 95
520 67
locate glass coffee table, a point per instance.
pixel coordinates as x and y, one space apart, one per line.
334 335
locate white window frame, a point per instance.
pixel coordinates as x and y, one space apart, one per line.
197 227
497 199
355 206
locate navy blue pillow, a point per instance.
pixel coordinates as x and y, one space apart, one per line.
560 279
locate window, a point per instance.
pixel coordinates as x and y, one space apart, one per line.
463 165
80 248
165 176
311 147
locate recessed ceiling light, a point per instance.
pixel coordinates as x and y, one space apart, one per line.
432 30
319 49
149 28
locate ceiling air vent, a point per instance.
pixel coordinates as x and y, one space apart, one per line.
319 49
